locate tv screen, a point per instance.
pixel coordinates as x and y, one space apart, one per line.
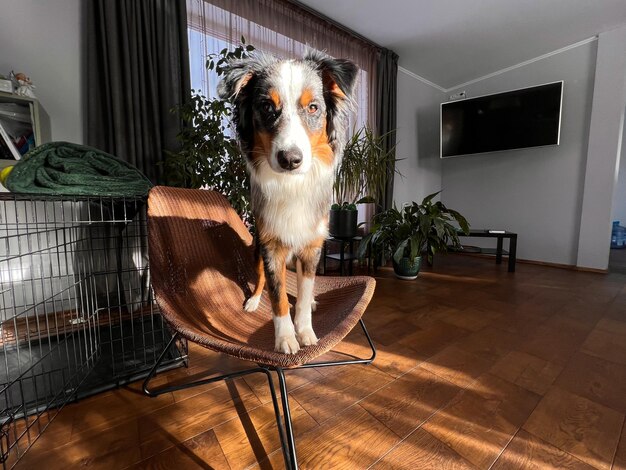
529 117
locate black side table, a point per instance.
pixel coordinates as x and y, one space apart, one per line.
342 256
500 235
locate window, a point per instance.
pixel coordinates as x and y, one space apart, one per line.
212 28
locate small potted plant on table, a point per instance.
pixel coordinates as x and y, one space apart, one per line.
403 235
361 178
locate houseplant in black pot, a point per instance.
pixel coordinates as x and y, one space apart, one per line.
360 179
403 235
342 221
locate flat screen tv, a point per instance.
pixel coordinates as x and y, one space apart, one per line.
528 117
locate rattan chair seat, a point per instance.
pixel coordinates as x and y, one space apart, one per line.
202 269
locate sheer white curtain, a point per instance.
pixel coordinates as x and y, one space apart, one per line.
278 27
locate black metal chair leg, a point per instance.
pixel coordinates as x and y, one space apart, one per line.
285 427
369 360
291 445
156 365
279 424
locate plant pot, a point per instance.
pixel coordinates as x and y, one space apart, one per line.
366 213
406 269
343 224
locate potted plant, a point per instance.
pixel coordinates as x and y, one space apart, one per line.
403 235
361 177
209 155
342 221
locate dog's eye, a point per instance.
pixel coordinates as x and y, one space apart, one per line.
267 107
312 108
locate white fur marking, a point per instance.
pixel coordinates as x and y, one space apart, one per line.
290 86
252 303
285 335
290 212
303 325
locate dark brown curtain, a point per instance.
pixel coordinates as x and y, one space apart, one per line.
386 110
137 71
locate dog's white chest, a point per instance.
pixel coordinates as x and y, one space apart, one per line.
294 208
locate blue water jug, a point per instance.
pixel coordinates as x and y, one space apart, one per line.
618 235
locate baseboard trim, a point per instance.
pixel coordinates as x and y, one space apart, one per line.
571 267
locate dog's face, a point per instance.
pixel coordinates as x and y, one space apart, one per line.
289 113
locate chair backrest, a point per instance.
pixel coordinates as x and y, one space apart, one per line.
199 249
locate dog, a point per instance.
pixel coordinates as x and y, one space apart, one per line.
291 121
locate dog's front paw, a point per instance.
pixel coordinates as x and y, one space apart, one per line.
252 303
313 305
306 337
287 344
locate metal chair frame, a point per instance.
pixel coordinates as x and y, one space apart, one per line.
285 428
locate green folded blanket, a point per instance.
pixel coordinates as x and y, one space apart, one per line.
62 168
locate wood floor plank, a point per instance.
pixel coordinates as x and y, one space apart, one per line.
489 343
471 318
606 345
394 359
422 450
457 366
144 436
529 452
334 393
620 456
432 338
527 371
351 440
406 403
200 452
557 339
479 422
599 380
254 436
587 430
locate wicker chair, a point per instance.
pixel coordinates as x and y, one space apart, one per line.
202 269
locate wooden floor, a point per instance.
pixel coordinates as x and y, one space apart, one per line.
477 368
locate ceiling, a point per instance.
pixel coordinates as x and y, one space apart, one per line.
451 42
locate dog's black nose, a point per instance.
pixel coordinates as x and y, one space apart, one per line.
289 159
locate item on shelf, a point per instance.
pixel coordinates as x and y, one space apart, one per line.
15 120
6 85
4 174
8 149
25 86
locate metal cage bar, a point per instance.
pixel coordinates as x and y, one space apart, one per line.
77 312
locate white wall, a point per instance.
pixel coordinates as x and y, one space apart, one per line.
43 39
534 192
619 197
417 140
605 138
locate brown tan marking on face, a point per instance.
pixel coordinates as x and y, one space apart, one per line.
262 146
320 148
306 98
275 97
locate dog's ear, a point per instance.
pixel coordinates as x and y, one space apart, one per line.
238 75
339 80
235 86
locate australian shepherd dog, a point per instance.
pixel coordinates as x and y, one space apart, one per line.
291 119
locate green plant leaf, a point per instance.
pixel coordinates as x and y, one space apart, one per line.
400 251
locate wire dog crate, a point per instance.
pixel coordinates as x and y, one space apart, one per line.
77 314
